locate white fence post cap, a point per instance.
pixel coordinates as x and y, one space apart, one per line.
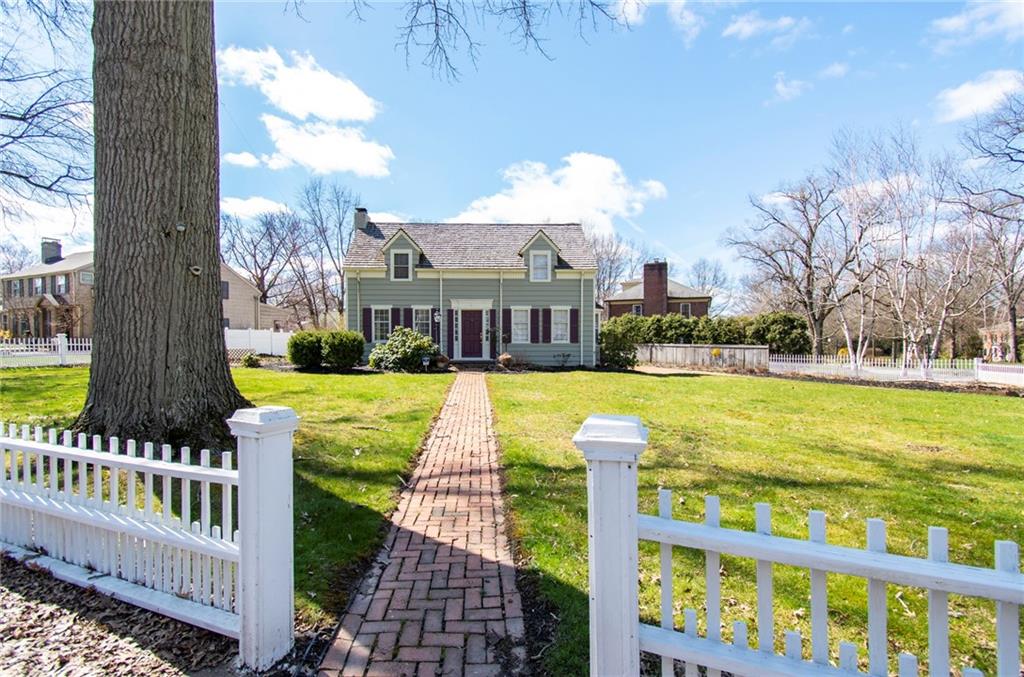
605 437
263 421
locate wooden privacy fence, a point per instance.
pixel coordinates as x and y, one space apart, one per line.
211 546
703 355
612 445
45 352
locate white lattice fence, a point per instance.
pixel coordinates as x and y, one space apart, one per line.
152 526
612 445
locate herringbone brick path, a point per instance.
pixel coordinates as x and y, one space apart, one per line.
441 598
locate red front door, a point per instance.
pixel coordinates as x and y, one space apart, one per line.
472 333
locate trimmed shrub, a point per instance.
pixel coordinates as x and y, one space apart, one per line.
251 361
403 351
782 332
619 340
341 349
304 350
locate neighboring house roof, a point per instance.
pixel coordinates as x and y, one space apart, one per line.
633 290
471 245
69 263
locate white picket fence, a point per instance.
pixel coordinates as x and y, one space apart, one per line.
259 341
45 352
612 446
897 369
119 519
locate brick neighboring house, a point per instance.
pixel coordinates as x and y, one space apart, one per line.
655 294
56 296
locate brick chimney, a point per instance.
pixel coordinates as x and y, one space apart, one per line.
50 250
656 288
361 218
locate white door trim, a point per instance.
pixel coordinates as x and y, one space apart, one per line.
483 305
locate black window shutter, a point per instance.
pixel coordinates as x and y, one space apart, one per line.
396 318
546 325
494 333
450 347
506 325
408 318
367 324
534 325
574 325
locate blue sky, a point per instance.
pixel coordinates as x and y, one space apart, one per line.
659 132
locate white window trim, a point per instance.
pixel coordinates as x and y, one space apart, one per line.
547 266
430 318
632 309
373 322
689 308
568 323
512 321
407 252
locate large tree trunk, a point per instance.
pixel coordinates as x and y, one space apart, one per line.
1014 355
159 365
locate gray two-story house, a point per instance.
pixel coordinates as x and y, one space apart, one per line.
478 289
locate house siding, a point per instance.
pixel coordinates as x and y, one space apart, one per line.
563 291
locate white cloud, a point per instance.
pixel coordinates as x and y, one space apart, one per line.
787 90
786 29
324 148
630 12
685 20
303 88
244 159
835 70
249 207
978 21
977 96
847 29
586 188
28 221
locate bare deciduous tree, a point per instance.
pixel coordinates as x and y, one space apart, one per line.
263 248
710 277
612 254
13 256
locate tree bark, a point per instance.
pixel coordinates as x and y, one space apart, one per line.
159 365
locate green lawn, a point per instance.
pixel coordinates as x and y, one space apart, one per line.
912 458
357 436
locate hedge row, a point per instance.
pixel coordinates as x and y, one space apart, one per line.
781 332
334 349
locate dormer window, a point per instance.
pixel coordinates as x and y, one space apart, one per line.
540 266
401 265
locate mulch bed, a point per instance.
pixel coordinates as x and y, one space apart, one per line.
52 627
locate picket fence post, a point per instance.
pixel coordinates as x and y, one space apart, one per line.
977 368
611 446
266 596
62 348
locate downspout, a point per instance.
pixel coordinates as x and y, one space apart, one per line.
579 328
440 309
359 303
501 309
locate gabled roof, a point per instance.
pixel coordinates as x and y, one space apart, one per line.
633 290
539 234
471 245
69 263
410 238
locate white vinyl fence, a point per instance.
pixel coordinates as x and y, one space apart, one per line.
899 369
45 352
259 341
703 355
612 446
211 546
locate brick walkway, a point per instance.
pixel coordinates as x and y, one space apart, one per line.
441 598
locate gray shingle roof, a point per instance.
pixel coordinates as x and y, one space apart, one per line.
471 245
675 291
69 263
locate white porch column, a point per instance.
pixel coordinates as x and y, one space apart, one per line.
266 586
611 446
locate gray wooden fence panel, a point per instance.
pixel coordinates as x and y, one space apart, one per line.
704 355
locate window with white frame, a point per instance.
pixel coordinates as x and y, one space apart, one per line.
401 265
684 309
16 287
38 285
559 325
421 320
520 325
381 323
638 309
62 284
540 266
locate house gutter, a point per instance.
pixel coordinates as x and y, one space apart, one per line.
501 306
359 303
440 309
579 329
